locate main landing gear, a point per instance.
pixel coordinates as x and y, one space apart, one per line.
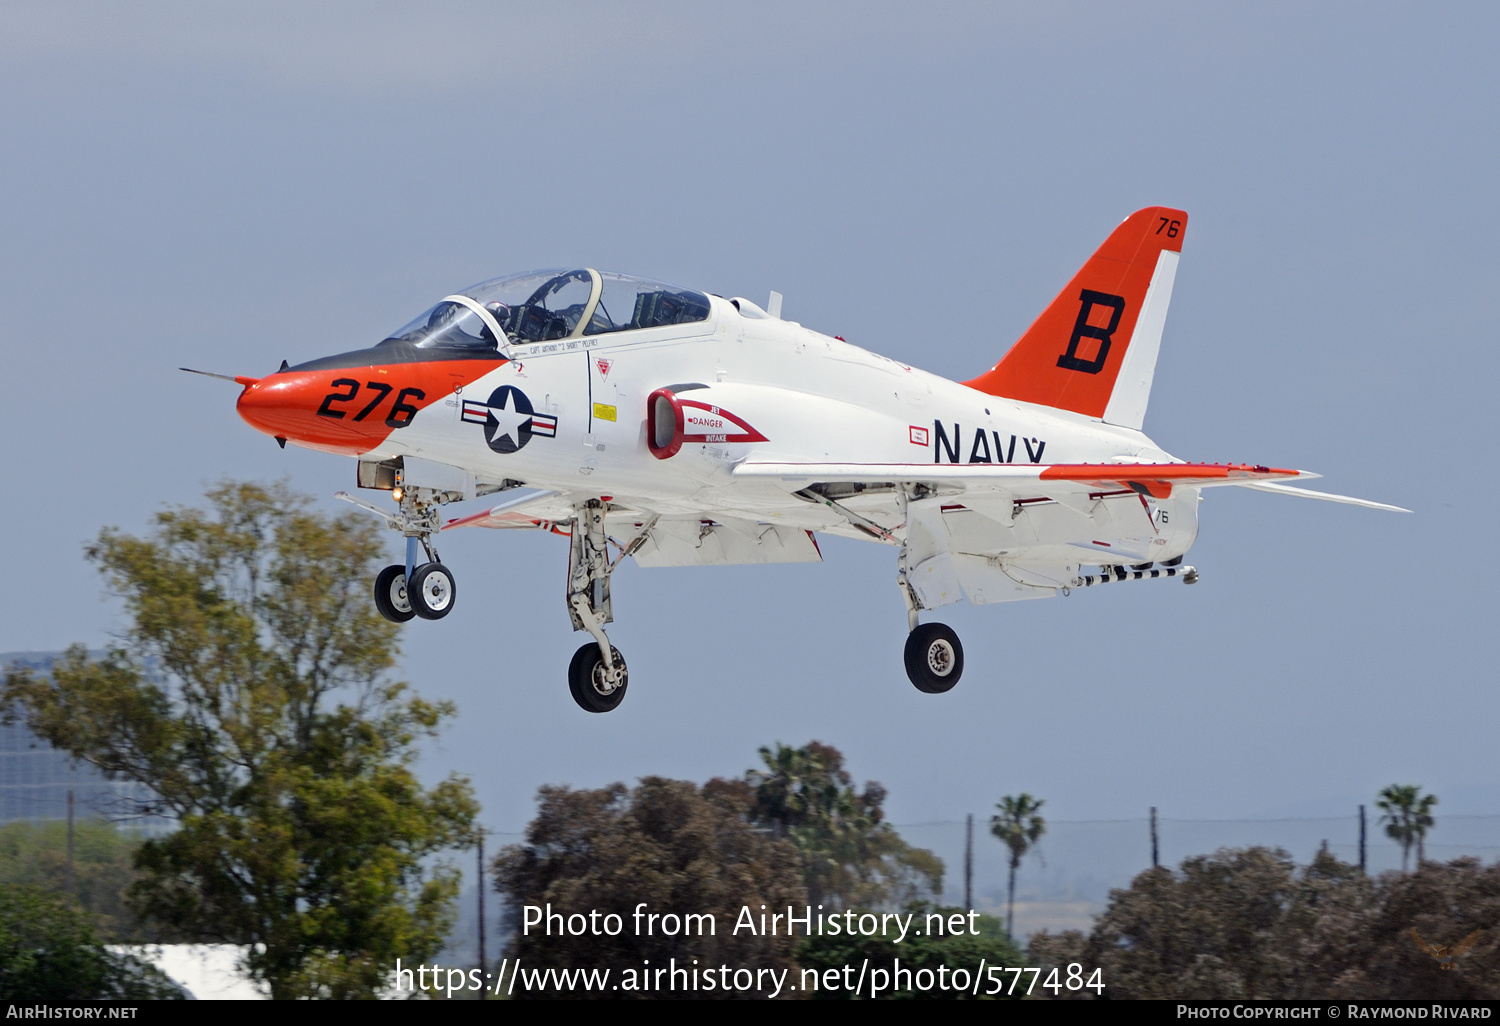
597 676
934 656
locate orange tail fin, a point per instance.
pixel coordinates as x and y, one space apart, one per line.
1093 351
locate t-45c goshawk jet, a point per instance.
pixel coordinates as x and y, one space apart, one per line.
682 429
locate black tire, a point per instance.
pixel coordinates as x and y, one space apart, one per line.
586 678
390 595
432 591
934 658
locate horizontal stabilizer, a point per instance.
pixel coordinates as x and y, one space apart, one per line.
1308 493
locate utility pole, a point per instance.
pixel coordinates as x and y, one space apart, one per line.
969 863
71 889
483 962
1155 861
1361 838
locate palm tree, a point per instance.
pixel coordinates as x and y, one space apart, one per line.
1407 817
1019 828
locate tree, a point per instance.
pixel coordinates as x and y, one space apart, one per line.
1369 951
48 952
1227 925
850 855
1407 817
36 854
1249 924
992 946
251 694
1019 827
679 849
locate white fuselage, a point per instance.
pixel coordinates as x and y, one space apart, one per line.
815 399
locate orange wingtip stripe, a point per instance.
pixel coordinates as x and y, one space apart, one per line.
1159 471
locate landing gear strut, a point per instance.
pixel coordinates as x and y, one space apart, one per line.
597 674
934 656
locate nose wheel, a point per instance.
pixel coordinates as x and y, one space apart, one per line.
934 658
429 592
391 597
432 591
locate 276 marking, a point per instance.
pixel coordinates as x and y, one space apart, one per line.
401 413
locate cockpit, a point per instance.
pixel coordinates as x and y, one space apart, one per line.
540 306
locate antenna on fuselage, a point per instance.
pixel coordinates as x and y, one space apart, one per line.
774 306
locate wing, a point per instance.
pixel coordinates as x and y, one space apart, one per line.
1431 949
1468 942
1059 481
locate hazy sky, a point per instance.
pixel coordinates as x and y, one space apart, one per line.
197 187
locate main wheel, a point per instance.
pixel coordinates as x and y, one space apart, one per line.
934 658
390 595
587 683
432 591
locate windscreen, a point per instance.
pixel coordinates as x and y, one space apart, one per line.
454 325
539 306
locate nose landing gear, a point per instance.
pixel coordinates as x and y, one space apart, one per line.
426 589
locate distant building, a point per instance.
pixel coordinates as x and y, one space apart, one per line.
208 972
35 778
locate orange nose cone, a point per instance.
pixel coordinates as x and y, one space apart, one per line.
274 406
286 406
352 410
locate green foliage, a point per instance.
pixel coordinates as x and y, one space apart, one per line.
48 952
1407 817
850 855
991 947
1018 826
676 847
272 735
1248 924
36 854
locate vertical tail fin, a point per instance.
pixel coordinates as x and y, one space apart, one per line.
1093 351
